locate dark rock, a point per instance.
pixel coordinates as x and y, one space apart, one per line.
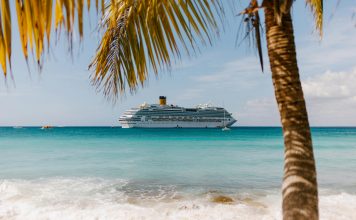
222 199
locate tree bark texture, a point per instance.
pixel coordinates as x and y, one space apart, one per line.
299 189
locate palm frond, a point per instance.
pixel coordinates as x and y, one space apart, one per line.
257 25
35 25
252 29
6 22
143 35
3 52
316 7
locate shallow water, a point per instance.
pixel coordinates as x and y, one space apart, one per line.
114 173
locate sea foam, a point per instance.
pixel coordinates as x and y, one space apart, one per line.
93 198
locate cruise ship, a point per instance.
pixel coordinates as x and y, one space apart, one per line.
171 116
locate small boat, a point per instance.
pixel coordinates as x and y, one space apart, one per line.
225 129
17 127
46 127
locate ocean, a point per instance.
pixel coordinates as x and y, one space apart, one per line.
115 173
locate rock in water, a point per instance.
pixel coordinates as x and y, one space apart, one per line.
222 199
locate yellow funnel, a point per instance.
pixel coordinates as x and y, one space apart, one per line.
162 100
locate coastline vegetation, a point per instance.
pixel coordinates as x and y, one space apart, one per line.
142 34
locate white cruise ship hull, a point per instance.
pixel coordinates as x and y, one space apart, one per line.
172 116
174 124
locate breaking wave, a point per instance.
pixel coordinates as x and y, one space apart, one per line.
94 198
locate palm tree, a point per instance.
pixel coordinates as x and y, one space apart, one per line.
142 36
300 196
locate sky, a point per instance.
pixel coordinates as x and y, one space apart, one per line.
224 74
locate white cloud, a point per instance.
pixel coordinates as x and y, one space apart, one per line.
331 98
331 85
330 95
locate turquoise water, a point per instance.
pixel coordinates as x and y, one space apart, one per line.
161 167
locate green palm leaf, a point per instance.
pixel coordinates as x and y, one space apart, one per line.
140 36
35 20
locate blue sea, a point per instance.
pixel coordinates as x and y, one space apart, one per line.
115 173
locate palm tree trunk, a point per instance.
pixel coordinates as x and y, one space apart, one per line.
300 194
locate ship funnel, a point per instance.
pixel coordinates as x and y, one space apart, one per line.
162 100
